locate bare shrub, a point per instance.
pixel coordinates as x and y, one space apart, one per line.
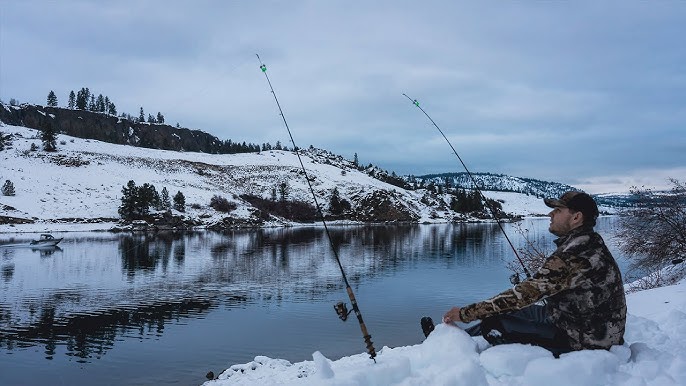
653 231
533 254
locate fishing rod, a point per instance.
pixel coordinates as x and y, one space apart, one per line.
489 205
340 307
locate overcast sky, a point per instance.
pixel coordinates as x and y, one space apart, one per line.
589 93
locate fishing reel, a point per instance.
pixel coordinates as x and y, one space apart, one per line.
342 311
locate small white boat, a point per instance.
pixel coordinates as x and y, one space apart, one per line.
45 240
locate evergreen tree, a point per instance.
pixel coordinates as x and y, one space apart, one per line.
160 117
128 209
151 119
180 202
141 116
82 98
112 109
3 141
164 200
52 99
148 197
356 161
100 104
91 104
49 138
336 204
72 100
8 188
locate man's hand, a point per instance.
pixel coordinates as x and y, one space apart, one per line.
452 316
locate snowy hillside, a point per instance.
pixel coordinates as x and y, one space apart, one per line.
497 182
81 183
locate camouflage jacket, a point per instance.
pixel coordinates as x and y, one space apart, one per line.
583 289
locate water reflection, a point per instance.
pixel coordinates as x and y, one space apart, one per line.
101 289
90 335
46 251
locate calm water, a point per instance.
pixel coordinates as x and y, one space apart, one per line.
122 309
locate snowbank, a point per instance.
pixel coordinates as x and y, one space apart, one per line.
654 354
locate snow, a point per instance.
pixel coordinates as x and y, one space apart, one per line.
654 355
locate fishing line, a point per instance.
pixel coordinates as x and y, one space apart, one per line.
340 307
476 185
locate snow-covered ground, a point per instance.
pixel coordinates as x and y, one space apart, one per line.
84 178
654 355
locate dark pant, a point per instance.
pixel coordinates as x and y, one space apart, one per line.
529 325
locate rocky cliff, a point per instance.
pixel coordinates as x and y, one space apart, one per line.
108 128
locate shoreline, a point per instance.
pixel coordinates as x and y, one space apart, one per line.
47 226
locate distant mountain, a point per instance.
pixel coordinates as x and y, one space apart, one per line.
494 182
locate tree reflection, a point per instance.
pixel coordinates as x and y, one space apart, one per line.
7 272
89 335
143 253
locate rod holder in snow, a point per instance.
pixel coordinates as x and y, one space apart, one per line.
476 186
353 302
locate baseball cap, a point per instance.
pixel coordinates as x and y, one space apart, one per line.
577 201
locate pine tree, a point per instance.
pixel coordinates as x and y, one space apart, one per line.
148 197
128 208
141 116
3 141
180 202
335 203
72 100
165 203
82 98
160 117
100 104
91 104
8 188
52 99
356 161
151 119
49 138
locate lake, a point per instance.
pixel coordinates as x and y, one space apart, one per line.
166 308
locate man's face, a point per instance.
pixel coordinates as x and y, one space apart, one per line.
562 221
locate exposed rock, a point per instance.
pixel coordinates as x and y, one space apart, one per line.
108 128
15 220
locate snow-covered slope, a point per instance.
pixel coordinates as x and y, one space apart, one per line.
83 180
